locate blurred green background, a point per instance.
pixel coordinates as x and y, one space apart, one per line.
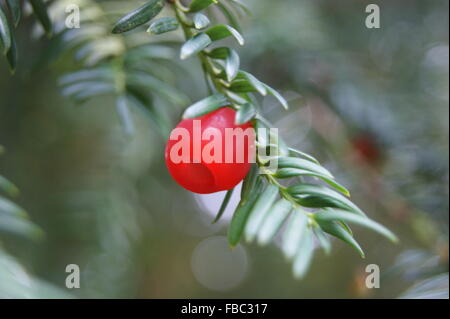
370 104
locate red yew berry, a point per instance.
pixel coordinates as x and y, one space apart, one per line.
367 148
210 153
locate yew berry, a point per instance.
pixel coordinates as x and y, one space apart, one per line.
210 153
367 149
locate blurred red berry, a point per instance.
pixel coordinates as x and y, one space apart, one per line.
367 148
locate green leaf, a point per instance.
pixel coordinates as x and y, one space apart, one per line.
124 114
141 100
278 96
292 172
139 16
205 106
242 6
294 233
249 183
163 25
157 86
230 16
257 84
232 61
219 53
241 86
5 32
224 205
245 113
259 211
263 136
338 231
8 187
97 74
304 255
17 283
8 207
283 148
346 227
324 240
294 152
201 21
240 217
294 162
85 89
194 45
151 52
40 10
223 31
237 98
16 11
339 215
198 5
12 55
309 195
232 64
273 221
20 226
